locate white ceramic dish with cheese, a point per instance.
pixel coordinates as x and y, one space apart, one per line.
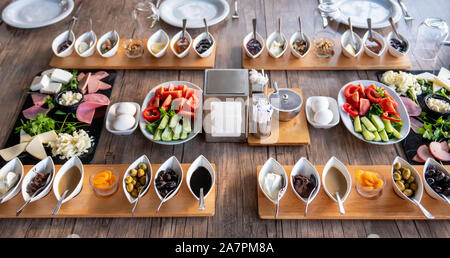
161 37
86 37
279 38
272 166
72 162
331 104
14 166
59 40
347 40
45 166
115 122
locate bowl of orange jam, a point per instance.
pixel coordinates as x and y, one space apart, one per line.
105 182
369 184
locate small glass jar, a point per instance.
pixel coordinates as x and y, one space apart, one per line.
325 30
106 191
370 193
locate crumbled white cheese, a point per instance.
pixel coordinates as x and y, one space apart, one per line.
438 105
70 98
67 146
402 82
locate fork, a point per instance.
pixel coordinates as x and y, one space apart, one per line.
405 11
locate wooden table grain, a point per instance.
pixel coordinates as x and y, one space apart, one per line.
24 53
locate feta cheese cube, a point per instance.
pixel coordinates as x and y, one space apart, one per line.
40 82
48 72
59 75
52 88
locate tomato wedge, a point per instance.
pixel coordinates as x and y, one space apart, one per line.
350 110
159 91
387 106
354 100
361 90
175 94
373 95
364 106
154 102
167 102
190 92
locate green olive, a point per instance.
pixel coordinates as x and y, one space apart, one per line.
400 185
142 180
137 185
135 193
408 192
406 185
139 189
406 174
142 166
130 187
397 165
133 182
133 172
413 186
411 179
140 172
397 176
128 179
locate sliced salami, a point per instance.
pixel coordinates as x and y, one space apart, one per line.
80 76
438 151
83 84
85 112
32 112
39 99
100 75
423 152
417 159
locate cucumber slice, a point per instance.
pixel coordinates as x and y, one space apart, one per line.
184 135
187 125
377 136
357 124
384 136
157 135
396 134
167 135
164 122
388 126
368 124
376 120
174 121
177 132
368 136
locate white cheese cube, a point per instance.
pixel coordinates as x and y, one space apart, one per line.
48 72
52 88
62 76
40 82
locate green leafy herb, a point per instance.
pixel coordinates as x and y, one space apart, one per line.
40 124
375 109
73 84
434 129
50 102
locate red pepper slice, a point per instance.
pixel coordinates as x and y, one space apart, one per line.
385 115
350 110
151 114
350 90
154 102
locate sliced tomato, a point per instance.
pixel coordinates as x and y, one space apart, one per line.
175 94
364 106
159 91
183 88
179 104
190 92
354 100
387 106
373 95
350 90
361 90
193 102
167 102
350 110
391 99
171 87
154 102
185 113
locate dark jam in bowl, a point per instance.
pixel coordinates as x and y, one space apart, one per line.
253 46
373 45
400 46
63 46
203 45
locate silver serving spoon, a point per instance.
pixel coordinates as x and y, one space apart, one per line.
58 206
352 37
254 28
424 211
164 199
91 40
278 202
279 30
341 205
184 29
139 194
34 195
394 28
369 24
310 195
207 32
300 27
235 14
201 205
443 196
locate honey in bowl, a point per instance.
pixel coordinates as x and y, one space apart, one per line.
373 45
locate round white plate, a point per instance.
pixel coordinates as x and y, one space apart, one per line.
28 14
345 117
174 11
198 113
378 10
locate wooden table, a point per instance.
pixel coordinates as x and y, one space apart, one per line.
28 52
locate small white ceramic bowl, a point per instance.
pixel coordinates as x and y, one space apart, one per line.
380 39
108 35
44 166
332 105
296 36
272 166
59 40
334 162
305 168
394 52
72 162
15 166
175 39
159 36
247 39
142 159
112 115
346 39
85 38
432 162
174 164
280 38
210 49
201 161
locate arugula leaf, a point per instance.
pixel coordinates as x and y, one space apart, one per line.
375 109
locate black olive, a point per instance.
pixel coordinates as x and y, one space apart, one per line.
430 181
439 176
167 177
172 185
446 191
438 189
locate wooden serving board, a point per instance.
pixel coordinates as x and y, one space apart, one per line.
389 206
291 133
147 62
337 62
87 205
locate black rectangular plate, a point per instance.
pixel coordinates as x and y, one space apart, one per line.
94 130
413 141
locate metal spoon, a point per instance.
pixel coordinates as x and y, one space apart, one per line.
254 28
279 29
341 205
207 32
278 201
91 41
235 14
394 28
300 27
201 205
352 37
58 206
310 194
139 195
443 196
369 24
164 199
34 195
424 211
184 29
